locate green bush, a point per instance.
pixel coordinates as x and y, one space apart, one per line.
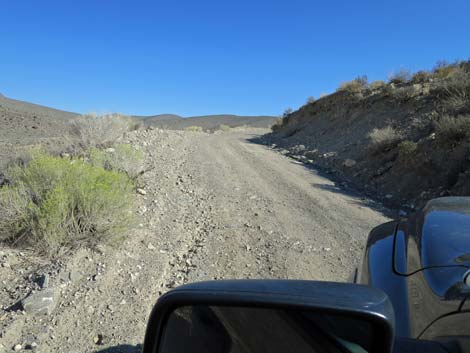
55 203
122 158
383 139
224 127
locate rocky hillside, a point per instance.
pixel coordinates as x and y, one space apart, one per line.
403 141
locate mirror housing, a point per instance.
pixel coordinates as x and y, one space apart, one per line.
349 300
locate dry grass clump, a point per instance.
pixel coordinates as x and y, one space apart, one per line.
194 128
378 84
91 130
453 129
277 125
456 90
224 128
400 77
122 158
407 149
421 77
383 139
53 203
310 100
354 86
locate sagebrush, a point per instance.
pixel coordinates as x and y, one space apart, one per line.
383 139
453 129
55 203
91 130
122 158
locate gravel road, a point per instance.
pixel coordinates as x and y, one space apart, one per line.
212 206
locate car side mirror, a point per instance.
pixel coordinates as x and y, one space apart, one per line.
257 316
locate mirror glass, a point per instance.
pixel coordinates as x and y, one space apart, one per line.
224 329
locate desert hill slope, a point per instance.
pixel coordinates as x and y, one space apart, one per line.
404 141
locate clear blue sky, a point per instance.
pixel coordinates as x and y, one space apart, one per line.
197 57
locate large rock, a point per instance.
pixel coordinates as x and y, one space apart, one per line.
40 303
349 163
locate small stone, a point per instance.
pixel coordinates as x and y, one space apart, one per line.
110 150
17 347
141 191
348 163
42 302
98 339
74 276
150 246
43 281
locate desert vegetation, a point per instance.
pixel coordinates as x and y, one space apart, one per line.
194 128
81 197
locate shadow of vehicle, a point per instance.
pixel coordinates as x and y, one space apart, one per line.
122 348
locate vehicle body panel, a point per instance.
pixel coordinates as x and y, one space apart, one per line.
421 262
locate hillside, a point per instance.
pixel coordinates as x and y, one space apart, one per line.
404 141
207 122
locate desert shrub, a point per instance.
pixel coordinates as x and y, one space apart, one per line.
453 129
354 86
378 84
400 77
405 93
224 127
194 128
92 130
407 149
456 92
310 100
421 77
383 139
277 125
442 69
287 112
122 158
323 95
55 203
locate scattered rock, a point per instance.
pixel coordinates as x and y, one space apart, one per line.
150 246
110 150
43 280
98 339
40 303
75 276
141 191
17 347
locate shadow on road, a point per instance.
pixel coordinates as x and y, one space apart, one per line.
340 185
122 348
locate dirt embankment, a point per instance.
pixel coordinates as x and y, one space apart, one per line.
400 143
212 206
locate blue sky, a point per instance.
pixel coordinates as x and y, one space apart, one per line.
197 57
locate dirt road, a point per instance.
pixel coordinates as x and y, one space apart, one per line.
214 206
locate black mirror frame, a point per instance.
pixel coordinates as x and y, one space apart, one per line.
353 300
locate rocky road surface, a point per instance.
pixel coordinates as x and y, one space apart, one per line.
212 206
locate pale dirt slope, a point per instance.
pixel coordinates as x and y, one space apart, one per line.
216 206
